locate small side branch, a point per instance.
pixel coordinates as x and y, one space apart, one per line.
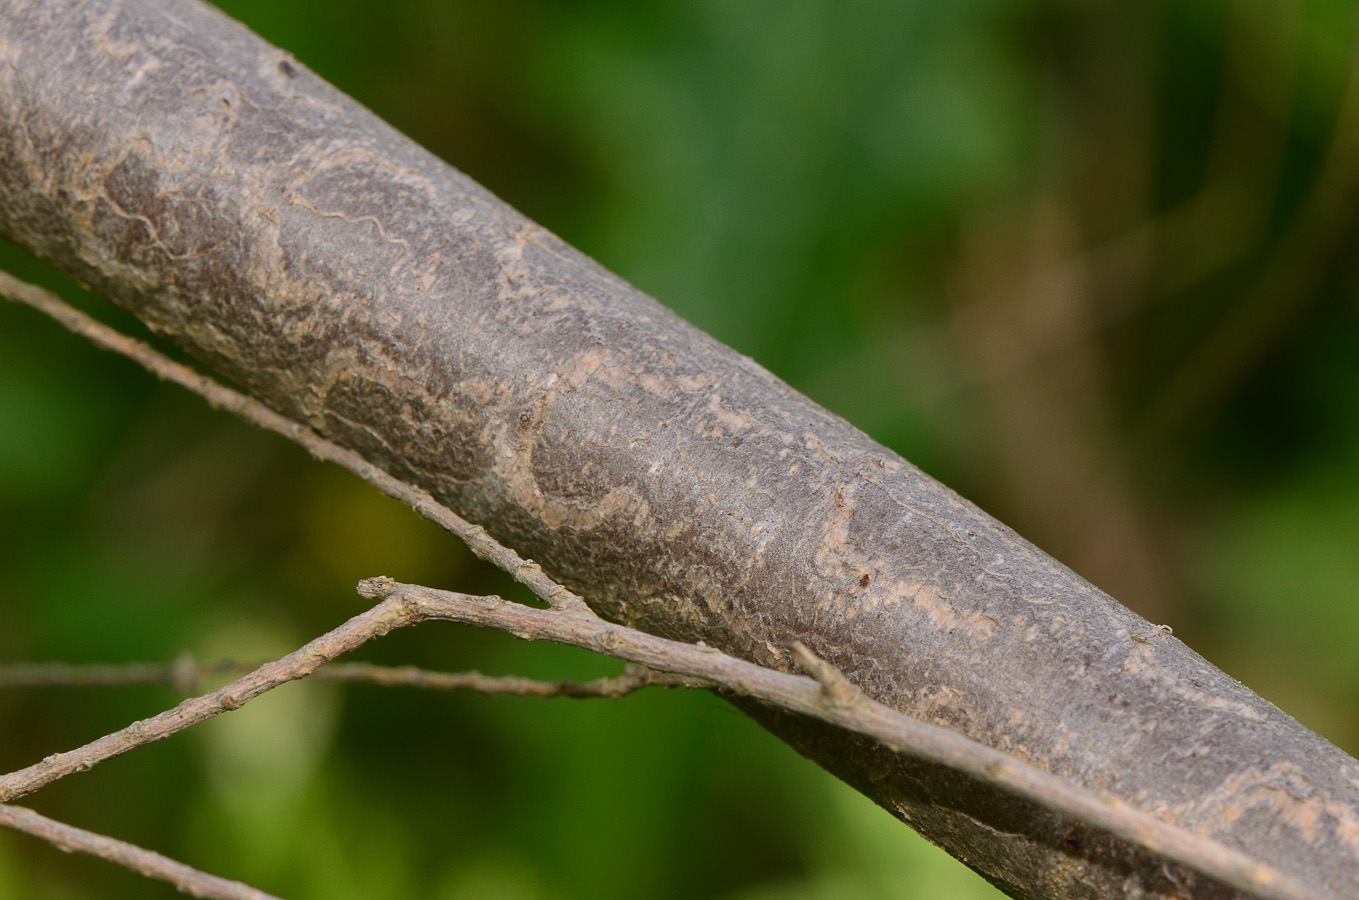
831 697
525 571
185 674
189 880
633 679
375 622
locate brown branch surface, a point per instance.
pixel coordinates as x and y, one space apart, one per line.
218 190
189 880
827 695
836 701
526 572
830 697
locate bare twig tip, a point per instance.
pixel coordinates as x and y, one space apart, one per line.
838 689
379 588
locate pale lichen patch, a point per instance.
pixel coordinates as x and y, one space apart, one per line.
1284 793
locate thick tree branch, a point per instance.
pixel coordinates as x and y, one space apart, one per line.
233 201
830 697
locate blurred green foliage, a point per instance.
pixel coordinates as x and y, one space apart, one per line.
1092 264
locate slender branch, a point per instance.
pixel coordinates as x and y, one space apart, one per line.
632 680
149 863
830 696
525 571
382 618
184 674
351 280
375 622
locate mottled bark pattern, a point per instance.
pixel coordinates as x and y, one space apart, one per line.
224 194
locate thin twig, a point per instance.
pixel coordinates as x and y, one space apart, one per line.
184 674
525 571
189 880
382 618
632 680
829 696
375 622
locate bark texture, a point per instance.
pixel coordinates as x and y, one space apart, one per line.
211 185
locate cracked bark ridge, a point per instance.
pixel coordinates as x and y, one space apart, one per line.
214 187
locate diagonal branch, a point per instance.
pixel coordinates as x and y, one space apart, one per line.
147 862
302 662
222 397
364 289
219 396
827 695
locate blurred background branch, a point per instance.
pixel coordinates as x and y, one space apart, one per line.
185 674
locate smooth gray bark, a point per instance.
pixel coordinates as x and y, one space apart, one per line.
218 190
